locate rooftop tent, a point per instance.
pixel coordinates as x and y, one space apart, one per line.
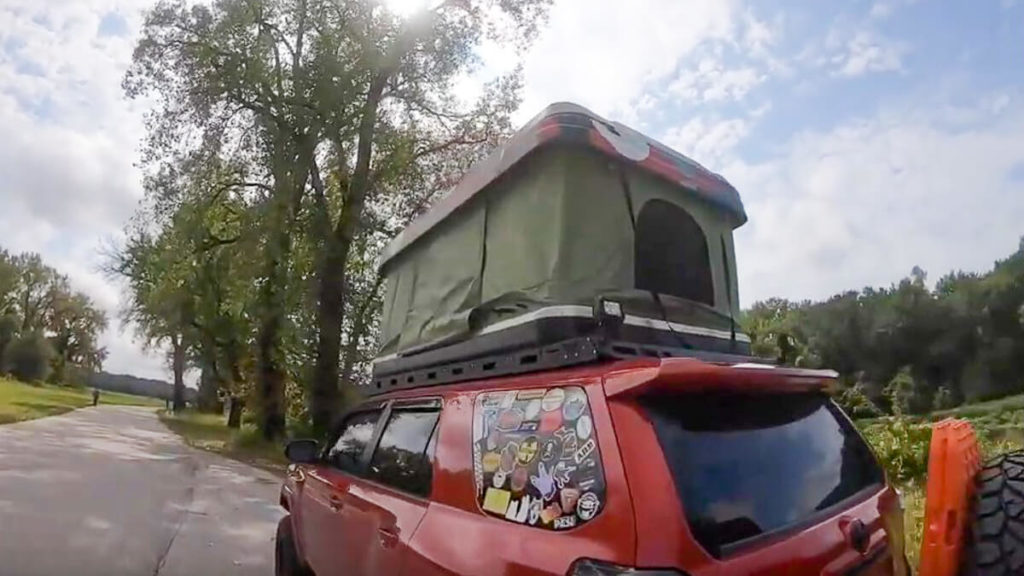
571 209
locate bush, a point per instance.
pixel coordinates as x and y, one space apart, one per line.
901 446
28 357
855 402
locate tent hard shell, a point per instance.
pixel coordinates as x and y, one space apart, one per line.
577 231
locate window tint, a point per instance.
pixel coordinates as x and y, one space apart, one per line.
748 465
672 253
356 434
404 457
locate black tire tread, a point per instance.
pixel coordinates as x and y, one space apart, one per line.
286 556
995 543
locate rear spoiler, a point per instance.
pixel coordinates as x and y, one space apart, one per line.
678 375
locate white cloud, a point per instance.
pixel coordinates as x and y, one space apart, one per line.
710 82
880 10
68 141
710 142
863 203
605 54
869 52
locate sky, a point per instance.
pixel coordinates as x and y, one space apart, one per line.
865 137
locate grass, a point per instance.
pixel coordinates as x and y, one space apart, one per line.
981 409
20 401
210 432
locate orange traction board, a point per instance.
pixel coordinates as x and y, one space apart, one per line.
953 462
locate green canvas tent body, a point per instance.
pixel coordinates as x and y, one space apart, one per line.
572 209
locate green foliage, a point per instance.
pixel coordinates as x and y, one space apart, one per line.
912 348
37 302
28 357
289 143
855 402
901 446
899 392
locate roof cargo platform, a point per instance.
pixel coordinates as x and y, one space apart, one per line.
578 239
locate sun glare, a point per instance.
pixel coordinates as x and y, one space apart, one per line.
405 7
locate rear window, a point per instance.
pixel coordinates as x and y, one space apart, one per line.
748 465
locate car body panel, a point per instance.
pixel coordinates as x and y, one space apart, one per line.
383 521
324 520
641 524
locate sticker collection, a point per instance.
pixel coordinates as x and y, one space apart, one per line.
535 457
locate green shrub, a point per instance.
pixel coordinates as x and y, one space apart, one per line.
900 392
855 402
901 446
28 357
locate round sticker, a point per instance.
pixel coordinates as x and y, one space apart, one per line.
584 427
527 450
491 462
575 403
532 410
509 420
499 478
551 421
553 399
587 506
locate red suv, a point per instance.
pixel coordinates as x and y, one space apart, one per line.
644 467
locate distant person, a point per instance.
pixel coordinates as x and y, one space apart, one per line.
95 396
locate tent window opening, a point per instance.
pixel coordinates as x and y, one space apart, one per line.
672 253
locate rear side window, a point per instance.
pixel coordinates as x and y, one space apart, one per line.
356 434
749 465
404 457
535 457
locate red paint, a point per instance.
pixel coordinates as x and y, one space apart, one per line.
379 530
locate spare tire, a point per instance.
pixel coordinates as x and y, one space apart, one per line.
995 546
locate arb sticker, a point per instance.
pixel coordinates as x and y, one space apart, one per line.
536 458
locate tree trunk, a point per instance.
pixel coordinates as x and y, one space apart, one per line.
270 383
329 315
207 399
331 308
178 367
287 198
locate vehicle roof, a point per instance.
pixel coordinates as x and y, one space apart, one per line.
565 122
644 375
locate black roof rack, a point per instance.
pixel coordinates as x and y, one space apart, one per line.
601 344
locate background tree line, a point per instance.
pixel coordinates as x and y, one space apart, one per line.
289 141
47 330
908 348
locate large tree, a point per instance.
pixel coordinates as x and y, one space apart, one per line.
339 101
52 322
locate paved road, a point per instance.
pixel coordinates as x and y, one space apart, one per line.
109 491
